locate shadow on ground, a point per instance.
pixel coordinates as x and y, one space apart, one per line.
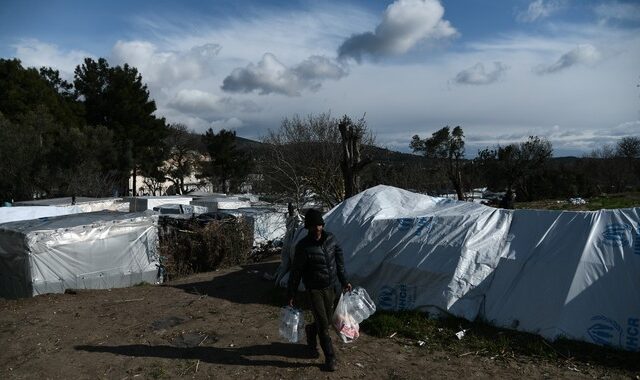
245 286
216 355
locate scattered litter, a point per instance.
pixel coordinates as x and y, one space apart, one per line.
392 335
421 343
359 365
131 300
197 365
460 334
577 201
473 352
232 345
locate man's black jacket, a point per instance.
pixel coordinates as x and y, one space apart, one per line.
318 262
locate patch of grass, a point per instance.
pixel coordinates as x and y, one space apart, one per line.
157 372
486 340
613 201
606 201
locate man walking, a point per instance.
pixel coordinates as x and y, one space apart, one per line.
318 261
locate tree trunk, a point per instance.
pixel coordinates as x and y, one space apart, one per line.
351 163
134 183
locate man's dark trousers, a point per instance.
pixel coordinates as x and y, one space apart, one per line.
322 301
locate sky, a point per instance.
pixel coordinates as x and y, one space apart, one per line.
566 70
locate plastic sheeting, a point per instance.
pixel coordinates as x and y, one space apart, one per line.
571 274
86 204
16 213
269 224
221 203
149 202
180 209
553 273
83 251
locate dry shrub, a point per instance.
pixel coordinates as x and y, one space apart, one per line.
191 246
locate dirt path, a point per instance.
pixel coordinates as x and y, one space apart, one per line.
221 324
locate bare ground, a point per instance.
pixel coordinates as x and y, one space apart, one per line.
221 324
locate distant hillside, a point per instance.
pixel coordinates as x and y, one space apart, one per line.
245 145
385 155
377 154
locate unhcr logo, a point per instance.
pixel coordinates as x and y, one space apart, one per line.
399 297
423 224
405 224
616 235
387 298
605 331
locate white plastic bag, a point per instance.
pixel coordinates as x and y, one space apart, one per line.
359 304
291 324
344 322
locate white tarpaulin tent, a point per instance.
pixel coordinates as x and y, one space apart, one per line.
86 204
269 224
221 203
554 273
98 250
15 213
144 203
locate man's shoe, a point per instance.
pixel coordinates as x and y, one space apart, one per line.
331 364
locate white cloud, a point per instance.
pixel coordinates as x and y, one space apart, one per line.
404 24
478 75
625 129
165 68
613 10
203 103
318 68
228 124
201 124
539 9
586 54
35 53
290 34
271 76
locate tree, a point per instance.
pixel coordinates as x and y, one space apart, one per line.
49 149
183 156
352 162
446 148
24 89
18 146
628 147
227 165
302 163
517 166
116 98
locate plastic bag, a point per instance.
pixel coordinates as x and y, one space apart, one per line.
344 322
359 304
291 324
